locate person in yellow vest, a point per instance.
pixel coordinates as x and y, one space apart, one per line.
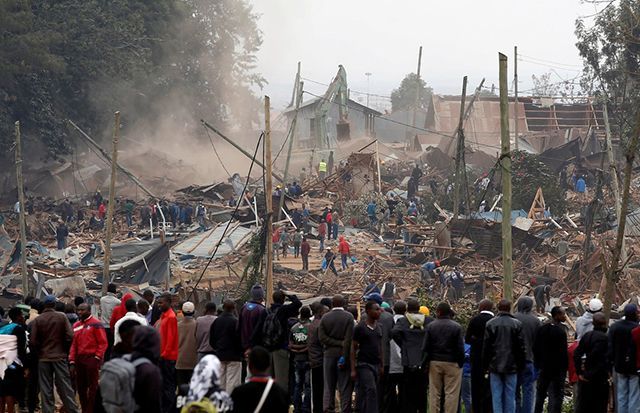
322 169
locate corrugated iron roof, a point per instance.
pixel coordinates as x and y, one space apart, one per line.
204 244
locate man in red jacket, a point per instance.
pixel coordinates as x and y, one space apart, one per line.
86 355
345 252
167 325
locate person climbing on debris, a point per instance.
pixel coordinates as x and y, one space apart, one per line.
542 295
330 257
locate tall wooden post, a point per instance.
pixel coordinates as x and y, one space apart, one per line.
106 277
268 196
23 224
515 89
378 167
505 163
459 152
415 108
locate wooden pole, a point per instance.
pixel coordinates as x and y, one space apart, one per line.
23 224
106 278
505 163
378 167
612 272
415 108
268 195
459 152
515 89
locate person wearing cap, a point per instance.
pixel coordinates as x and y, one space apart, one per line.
584 323
167 326
187 345
50 340
252 314
552 360
330 257
622 357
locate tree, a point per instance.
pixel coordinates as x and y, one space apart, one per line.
404 97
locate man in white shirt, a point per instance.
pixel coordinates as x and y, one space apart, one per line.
131 314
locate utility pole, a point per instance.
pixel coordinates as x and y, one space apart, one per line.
415 108
505 163
106 278
515 89
378 167
368 75
268 197
23 224
459 152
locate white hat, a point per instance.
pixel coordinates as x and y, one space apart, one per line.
188 307
595 305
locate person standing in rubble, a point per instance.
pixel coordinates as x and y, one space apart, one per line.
284 241
305 249
145 215
329 219
97 198
322 169
201 215
412 187
542 295
275 240
345 252
371 213
297 241
62 232
330 257
102 210
330 163
335 223
416 173
457 282
322 233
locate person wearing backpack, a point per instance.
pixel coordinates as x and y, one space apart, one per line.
299 346
12 385
86 355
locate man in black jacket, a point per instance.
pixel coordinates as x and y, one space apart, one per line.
527 377
622 356
593 370
480 389
444 351
409 333
224 338
503 356
551 358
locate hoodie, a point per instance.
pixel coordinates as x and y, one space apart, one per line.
584 324
408 333
119 311
530 325
148 382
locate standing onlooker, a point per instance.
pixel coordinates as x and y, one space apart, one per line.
107 303
386 392
297 241
50 340
394 395
371 213
275 241
224 339
187 345
305 249
584 323
335 223
86 355
62 232
132 314
329 219
148 378
154 313
252 314
623 359
409 333
345 252
330 258
590 359
480 388
503 355
12 384
527 377
465 391
284 242
444 351
167 326
552 360
299 347
366 358
203 329
322 233
315 357
334 331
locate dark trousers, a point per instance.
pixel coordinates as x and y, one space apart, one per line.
107 354
390 389
87 374
50 372
414 394
551 385
305 262
593 396
296 249
33 386
302 389
480 391
317 389
183 376
335 377
168 371
367 387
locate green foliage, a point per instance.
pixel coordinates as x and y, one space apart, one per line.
404 97
84 59
528 173
253 270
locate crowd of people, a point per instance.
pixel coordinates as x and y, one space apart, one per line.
380 354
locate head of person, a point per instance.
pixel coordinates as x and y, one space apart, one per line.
146 343
338 301
525 304
318 309
188 309
131 306
443 310
257 293
400 307
595 306
373 310
69 308
558 314
413 306
111 288
599 322
164 302
16 315
143 307
84 311
327 302
148 295
485 305
305 313
504 306
210 308
631 312
376 297
259 361
36 304
547 288
278 297
78 300
49 302
59 306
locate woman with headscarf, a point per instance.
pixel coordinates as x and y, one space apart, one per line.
205 387
119 311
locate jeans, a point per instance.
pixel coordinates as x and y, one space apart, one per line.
130 220
329 230
367 387
465 393
336 377
526 385
62 243
503 392
168 371
321 243
627 393
305 262
58 372
302 391
335 231
296 249
344 261
553 386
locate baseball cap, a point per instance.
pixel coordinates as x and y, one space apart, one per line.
188 307
49 299
374 297
595 305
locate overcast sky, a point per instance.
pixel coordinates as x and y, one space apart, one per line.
459 37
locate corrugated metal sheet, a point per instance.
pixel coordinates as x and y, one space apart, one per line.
204 244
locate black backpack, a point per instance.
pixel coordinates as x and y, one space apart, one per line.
272 331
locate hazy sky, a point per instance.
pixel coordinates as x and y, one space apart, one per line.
459 37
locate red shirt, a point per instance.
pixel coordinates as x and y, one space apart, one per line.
343 247
167 325
573 376
102 210
322 229
635 337
89 339
305 248
329 218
